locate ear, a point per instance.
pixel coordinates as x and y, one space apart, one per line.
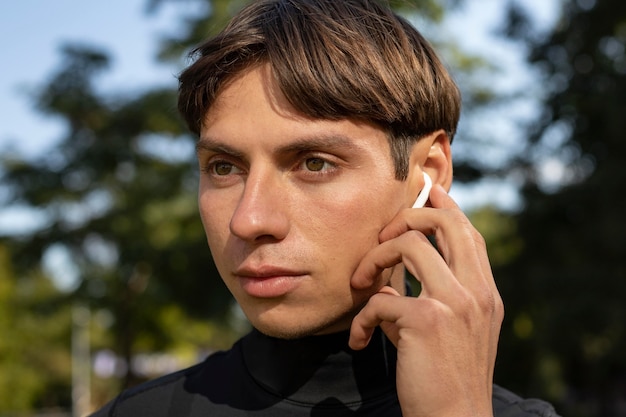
431 154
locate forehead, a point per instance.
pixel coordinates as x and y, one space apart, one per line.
251 105
254 87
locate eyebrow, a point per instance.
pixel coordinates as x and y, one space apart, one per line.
323 142
320 142
212 145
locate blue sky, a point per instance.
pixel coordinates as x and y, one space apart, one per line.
34 30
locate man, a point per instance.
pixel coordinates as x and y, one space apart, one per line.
317 120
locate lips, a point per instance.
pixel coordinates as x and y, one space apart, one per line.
268 281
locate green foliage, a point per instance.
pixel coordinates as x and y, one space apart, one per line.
500 232
123 208
196 27
564 336
34 347
217 13
118 197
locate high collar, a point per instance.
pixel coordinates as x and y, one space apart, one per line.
316 368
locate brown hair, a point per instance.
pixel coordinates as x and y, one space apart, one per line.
333 59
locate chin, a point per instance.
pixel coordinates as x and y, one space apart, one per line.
282 329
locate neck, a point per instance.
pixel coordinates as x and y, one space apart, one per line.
308 369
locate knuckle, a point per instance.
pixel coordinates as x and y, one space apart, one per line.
457 216
478 238
490 304
499 309
414 238
375 300
485 302
433 313
466 302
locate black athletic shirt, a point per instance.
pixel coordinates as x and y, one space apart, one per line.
267 377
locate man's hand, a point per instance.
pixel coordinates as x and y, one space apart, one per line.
447 336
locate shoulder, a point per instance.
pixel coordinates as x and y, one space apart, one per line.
508 404
173 394
148 398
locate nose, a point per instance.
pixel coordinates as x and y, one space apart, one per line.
261 213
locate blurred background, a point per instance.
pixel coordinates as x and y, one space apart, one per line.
105 277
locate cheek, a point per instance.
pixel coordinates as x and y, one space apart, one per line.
347 225
215 219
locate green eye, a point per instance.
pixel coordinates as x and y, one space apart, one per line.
315 164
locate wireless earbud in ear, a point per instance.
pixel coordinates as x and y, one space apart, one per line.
422 198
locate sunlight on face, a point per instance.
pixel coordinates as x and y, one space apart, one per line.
290 205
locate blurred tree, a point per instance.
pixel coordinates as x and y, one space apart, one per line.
118 193
564 336
215 14
118 196
34 325
469 69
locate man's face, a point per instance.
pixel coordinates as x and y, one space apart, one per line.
290 205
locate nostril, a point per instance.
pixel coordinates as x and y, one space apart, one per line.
259 221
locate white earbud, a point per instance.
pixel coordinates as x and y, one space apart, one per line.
422 198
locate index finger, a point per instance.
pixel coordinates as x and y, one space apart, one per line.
439 198
458 242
